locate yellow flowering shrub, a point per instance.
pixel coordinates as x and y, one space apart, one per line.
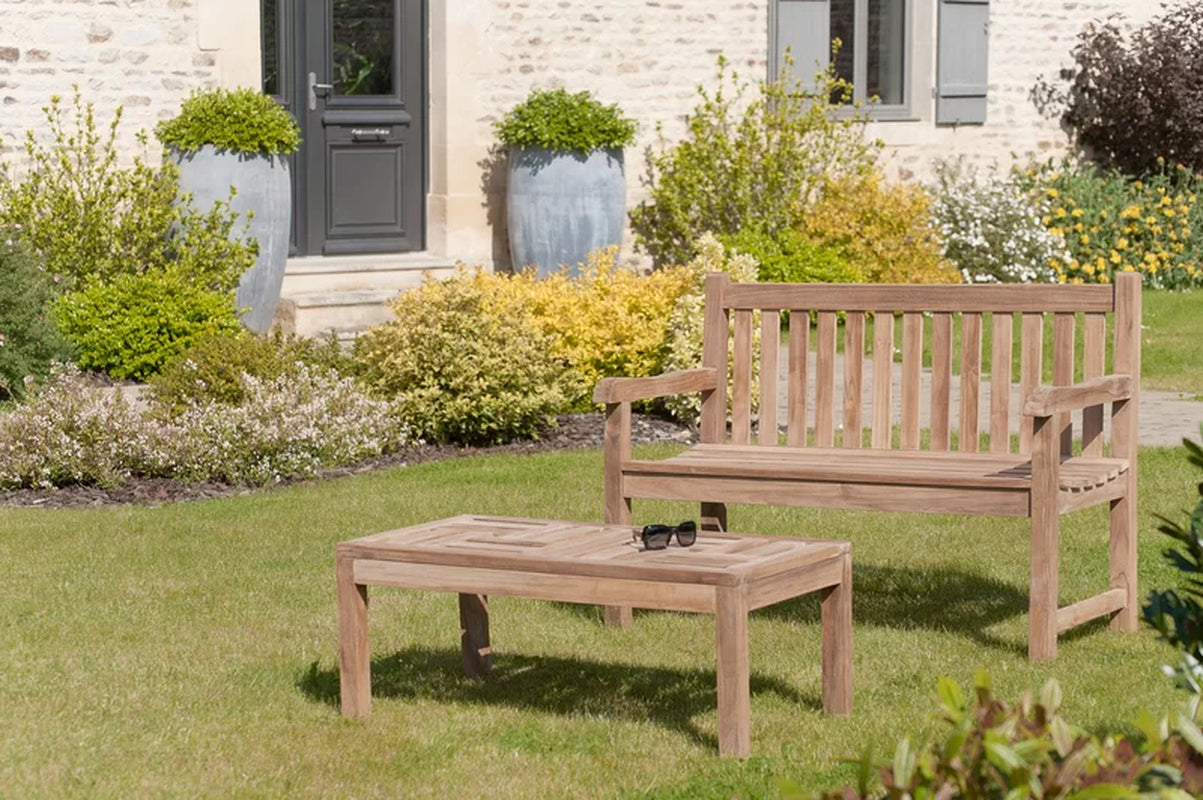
1112 223
884 229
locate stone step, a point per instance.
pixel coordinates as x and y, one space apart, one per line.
396 271
344 312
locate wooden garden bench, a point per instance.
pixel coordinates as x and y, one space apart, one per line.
1040 479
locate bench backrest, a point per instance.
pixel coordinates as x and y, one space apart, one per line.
1013 315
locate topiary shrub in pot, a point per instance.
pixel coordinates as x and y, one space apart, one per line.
237 140
566 189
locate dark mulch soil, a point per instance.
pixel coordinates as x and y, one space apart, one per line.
572 431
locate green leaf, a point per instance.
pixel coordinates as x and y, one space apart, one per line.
1050 696
1105 791
904 763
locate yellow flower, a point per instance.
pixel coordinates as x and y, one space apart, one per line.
1056 231
1059 212
1104 279
1150 220
1169 212
1075 280
1085 239
1122 244
1077 212
1139 184
1088 269
1115 257
1101 263
1160 161
1131 212
1129 268
1103 214
1046 219
1053 193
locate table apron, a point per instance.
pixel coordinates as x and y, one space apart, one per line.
661 595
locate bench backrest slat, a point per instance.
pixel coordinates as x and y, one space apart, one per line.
1094 348
948 372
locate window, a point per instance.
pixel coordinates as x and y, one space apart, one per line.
873 45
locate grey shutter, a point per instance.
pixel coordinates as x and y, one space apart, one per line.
804 26
964 35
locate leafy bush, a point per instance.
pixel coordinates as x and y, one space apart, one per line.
1028 750
131 326
885 229
241 120
90 219
1113 223
686 323
558 120
1178 618
991 226
603 321
1133 97
73 432
29 339
214 367
789 257
755 163
462 371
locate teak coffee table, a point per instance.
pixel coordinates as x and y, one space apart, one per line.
724 574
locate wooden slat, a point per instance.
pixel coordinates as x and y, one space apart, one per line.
1091 608
1063 374
836 617
1000 384
1031 360
1094 348
617 390
741 379
1124 441
1026 298
825 380
616 444
1045 538
354 656
732 667
941 380
883 378
799 347
770 349
475 652
854 357
1060 399
912 375
971 381
715 341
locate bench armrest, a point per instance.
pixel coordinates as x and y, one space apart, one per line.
1048 400
624 390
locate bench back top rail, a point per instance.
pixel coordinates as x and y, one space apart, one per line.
873 396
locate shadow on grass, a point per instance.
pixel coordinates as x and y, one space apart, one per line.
669 697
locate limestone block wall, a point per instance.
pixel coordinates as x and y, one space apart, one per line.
144 55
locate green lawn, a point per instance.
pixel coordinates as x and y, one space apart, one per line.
191 649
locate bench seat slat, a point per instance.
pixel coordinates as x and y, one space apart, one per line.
986 470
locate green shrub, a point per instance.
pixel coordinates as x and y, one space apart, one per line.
990 225
996 750
884 229
241 120
1178 617
748 164
1133 97
133 325
789 257
213 367
459 370
29 339
558 120
1113 223
89 219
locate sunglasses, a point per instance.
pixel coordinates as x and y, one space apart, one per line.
657 537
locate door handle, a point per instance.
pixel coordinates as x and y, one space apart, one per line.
314 88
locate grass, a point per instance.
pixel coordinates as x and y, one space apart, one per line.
191 649
1169 346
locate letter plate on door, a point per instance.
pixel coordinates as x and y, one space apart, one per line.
369 134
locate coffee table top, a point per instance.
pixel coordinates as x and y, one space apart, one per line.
590 549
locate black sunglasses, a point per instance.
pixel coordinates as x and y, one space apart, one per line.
657 537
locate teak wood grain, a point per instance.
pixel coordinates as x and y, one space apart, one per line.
942 472
724 574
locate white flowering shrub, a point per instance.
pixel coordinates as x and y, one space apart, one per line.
991 226
685 322
289 426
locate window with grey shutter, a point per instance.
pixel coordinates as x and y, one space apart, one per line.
964 33
803 26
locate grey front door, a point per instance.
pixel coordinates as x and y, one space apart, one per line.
357 88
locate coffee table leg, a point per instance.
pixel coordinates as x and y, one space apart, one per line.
734 700
354 664
837 644
474 635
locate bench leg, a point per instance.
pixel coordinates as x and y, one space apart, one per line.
1123 559
474 636
354 664
1045 547
714 516
734 700
837 644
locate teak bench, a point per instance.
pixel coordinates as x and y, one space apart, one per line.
723 574
1041 481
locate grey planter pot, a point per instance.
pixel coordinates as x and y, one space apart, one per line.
263 186
560 205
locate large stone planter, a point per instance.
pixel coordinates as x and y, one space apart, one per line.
263 186
560 205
